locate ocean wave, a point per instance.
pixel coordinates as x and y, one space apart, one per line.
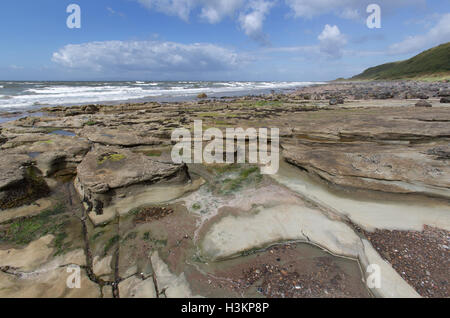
45 93
146 84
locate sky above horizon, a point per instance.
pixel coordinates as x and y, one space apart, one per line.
229 40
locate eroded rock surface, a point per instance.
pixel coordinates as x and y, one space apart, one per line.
377 167
20 183
121 137
364 164
51 153
108 174
31 272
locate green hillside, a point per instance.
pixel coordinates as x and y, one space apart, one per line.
433 63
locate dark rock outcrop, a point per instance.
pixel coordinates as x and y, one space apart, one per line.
423 103
20 182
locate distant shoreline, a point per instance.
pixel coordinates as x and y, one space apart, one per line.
23 96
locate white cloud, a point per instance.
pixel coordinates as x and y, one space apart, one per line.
252 21
309 9
331 45
312 49
16 67
180 8
114 12
215 11
149 56
350 14
438 34
251 13
332 41
348 9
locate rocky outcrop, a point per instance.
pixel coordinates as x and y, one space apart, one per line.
120 137
52 153
12 169
423 103
444 92
3 139
20 183
375 90
108 174
376 167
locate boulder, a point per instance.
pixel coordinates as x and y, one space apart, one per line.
421 95
444 92
90 109
416 95
445 100
423 103
383 95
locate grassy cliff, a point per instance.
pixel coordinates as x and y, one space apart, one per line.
431 64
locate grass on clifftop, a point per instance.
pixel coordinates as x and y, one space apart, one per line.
433 64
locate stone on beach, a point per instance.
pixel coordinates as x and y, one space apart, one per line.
444 92
423 103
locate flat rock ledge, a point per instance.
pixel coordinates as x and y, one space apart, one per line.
386 168
51 154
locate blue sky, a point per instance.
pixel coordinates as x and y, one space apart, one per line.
267 40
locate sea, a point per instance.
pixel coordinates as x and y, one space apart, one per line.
21 96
